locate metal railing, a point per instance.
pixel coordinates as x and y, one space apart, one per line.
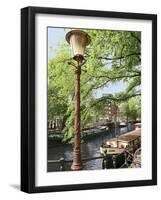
62 161
122 160
107 162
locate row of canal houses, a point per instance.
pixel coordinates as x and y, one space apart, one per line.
113 115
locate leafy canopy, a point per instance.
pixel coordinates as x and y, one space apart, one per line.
112 56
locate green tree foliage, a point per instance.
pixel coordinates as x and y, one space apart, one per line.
131 109
112 56
116 55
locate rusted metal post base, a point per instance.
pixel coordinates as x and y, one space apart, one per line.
77 162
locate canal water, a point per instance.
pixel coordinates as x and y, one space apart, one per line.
89 149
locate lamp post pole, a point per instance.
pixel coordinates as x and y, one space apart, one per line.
78 40
77 162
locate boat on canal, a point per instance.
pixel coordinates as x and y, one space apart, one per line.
116 147
125 141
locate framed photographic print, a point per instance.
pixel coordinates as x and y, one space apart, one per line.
88 99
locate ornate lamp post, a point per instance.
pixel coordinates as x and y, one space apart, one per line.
78 40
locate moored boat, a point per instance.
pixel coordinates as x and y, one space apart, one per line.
127 140
130 142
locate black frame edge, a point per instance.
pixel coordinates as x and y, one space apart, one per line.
27 100
96 13
154 99
24 100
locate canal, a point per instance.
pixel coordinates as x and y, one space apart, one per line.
89 149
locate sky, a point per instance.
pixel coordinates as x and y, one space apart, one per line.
56 36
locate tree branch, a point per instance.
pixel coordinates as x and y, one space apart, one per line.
134 36
121 57
110 98
118 99
99 86
118 77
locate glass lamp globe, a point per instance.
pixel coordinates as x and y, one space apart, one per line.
78 41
